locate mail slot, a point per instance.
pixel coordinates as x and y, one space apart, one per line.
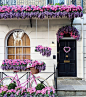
66 61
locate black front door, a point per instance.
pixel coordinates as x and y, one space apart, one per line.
66 60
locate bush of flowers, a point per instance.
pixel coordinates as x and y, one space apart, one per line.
18 64
18 11
46 51
27 92
67 30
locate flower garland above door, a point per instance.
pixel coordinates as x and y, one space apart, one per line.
72 31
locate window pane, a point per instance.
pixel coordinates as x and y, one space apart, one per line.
26 50
11 50
18 42
18 38
25 40
18 50
19 57
11 56
26 56
10 41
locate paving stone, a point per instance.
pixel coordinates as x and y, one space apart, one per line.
65 87
79 87
61 93
82 82
81 94
69 82
70 93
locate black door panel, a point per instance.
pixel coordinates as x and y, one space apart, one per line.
66 61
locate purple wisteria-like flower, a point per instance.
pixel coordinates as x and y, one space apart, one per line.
45 51
20 65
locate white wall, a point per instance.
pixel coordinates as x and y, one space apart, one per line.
42 39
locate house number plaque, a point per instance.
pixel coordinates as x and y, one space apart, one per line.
66 61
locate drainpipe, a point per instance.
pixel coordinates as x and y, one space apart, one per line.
82 48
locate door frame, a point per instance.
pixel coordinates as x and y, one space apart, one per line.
68 38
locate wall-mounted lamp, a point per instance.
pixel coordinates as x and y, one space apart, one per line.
53 44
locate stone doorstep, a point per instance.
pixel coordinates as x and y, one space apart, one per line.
71 93
69 78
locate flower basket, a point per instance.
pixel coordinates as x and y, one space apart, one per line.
22 65
34 71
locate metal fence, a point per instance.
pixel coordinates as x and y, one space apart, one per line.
23 76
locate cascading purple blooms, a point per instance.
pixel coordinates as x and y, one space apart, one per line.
18 64
50 11
45 51
40 15
68 30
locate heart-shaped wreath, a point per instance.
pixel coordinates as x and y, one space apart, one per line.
66 49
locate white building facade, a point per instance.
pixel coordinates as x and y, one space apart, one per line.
43 32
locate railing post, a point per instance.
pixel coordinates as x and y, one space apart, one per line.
27 78
55 78
0 77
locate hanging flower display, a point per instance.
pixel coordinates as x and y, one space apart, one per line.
18 64
31 11
27 92
72 31
66 49
46 51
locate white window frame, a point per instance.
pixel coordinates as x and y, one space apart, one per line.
6 55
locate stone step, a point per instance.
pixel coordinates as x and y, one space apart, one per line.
69 78
71 86
71 93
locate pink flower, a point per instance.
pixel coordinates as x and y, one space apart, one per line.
0 91
18 92
38 91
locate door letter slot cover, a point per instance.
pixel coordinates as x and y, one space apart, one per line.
66 61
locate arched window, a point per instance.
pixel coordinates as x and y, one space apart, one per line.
18 45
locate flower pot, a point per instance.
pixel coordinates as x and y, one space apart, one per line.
34 71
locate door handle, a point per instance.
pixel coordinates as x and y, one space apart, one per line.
66 61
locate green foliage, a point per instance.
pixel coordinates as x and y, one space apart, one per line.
3 4
3 92
11 86
58 4
40 87
51 4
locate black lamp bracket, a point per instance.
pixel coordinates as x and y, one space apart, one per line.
31 22
72 21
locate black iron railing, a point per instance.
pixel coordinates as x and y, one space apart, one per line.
3 74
